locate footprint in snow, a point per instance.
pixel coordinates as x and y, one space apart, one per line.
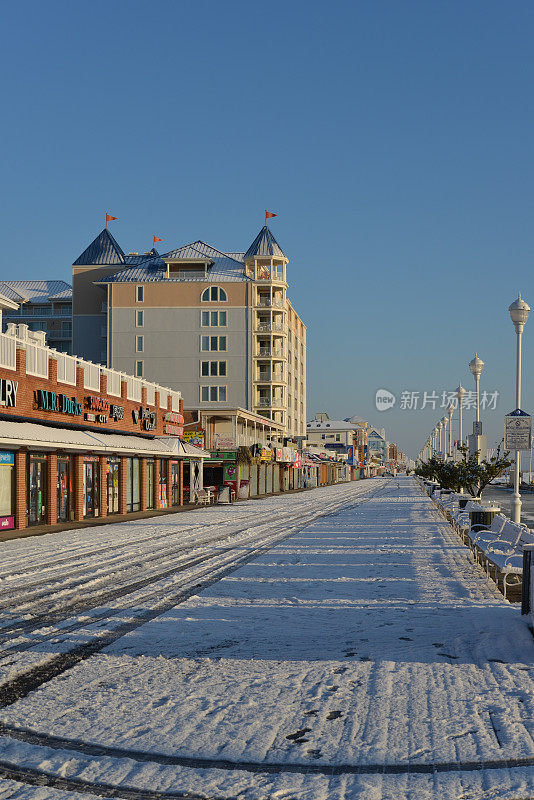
297 736
314 753
405 639
340 671
312 713
334 715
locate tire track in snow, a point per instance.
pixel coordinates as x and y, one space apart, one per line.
30 680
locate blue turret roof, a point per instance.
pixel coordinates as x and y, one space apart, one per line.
264 245
102 250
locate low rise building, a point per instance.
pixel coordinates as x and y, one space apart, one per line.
81 441
42 305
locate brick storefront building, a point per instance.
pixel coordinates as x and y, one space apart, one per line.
80 441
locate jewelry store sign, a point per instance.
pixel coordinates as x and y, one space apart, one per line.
517 430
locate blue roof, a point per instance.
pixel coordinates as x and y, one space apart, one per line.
264 245
200 250
102 250
36 291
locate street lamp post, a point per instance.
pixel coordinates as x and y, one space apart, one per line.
445 422
450 411
460 394
477 441
519 315
440 426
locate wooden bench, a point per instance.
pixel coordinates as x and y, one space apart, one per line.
203 497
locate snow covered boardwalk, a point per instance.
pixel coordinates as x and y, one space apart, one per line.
363 657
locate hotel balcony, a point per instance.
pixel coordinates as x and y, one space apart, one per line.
266 302
270 352
271 327
270 402
270 376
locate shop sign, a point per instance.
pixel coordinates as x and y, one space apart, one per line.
223 441
7 458
146 417
288 455
97 404
174 417
518 431
60 403
8 392
7 523
196 438
173 430
116 412
266 454
298 460
278 453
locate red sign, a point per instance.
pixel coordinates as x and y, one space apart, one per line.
7 523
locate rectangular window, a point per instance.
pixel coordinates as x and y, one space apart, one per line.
205 343
212 343
139 369
139 319
140 293
139 344
214 293
213 318
222 342
212 368
213 394
222 368
204 368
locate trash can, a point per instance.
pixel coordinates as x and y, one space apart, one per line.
482 518
463 500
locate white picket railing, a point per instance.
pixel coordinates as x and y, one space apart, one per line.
8 352
36 360
91 375
114 381
150 392
133 387
37 363
66 369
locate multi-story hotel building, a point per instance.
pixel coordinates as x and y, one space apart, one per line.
218 325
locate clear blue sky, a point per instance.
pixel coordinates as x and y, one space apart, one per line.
394 140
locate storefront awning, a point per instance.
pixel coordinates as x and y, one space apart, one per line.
14 435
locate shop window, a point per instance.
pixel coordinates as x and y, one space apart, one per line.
91 487
37 489
7 490
150 483
133 492
65 488
162 483
113 485
175 483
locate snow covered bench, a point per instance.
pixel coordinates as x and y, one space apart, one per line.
503 555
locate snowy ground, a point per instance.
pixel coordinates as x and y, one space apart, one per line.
363 657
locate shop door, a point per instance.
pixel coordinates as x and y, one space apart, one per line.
37 491
175 485
113 487
63 487
196 478
90 489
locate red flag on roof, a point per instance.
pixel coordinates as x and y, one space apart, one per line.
109 218
157 240
269 214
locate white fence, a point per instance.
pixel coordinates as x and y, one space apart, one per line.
37 362
8 352
66 369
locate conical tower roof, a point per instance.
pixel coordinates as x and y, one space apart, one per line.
102 250
265 245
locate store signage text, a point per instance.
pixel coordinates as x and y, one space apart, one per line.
7 458
146 417
116 412
96 404
173 416
50 401
196 438
8 392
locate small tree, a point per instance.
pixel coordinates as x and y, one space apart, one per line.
467 473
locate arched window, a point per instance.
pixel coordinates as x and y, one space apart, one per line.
214 294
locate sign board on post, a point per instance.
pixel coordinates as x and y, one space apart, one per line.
517 430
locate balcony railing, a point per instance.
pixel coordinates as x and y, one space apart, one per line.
37 363
270 352
266 302
267 377
269 402
269 327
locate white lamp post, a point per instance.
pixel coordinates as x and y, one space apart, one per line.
476 366
445 422
519 315
450 411
440 426
477 443
460 394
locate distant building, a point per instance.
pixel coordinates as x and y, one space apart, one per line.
377 446
218 325
42 306
332 434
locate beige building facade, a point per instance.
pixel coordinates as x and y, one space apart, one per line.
218 325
